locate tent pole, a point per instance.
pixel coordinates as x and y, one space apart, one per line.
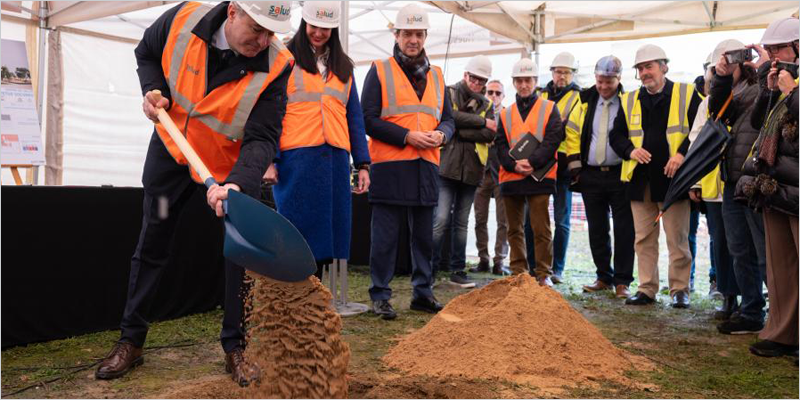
344 27
42 69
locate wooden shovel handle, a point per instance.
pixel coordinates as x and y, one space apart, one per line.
182 143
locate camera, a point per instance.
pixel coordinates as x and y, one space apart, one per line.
791 67
739 56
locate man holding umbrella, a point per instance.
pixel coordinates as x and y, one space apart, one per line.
651 129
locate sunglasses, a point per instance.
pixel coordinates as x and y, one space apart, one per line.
477 80
494 93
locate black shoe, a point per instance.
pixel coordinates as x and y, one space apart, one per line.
680 300
639 299
739 325
482 267
768 348
462 279
426 304
497 269
730 304
383 309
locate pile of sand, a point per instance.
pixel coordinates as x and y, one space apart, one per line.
294 337
516 330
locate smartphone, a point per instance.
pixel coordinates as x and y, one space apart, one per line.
791 67
739 56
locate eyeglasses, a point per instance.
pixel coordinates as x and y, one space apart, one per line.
562 73
494 93
477 79
772 49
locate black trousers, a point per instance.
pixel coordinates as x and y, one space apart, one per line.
168 187
603 192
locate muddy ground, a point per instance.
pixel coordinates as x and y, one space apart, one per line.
184 359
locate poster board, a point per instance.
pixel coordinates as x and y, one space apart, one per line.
20 132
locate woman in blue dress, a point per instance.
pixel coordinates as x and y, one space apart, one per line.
322 128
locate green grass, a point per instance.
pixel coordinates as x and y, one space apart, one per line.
693 360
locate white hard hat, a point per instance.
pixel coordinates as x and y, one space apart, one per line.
525 68
322 14
608 66
412 16
272 15
564 60
480 66
649 52
724 47
781 31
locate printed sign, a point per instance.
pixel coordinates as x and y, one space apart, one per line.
20 132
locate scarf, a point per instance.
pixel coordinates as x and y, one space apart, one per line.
416 69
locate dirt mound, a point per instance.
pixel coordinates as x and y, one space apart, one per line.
294 337
516 330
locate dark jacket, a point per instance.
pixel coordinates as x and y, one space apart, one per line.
655 112
774 187
459 161
553 136
737 116
407 183
589 97
264 124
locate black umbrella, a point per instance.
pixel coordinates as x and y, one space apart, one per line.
701 159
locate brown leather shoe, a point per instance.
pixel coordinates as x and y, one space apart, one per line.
241 371
545 281
122 358
597 286
623 292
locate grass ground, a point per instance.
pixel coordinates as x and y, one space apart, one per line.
694 360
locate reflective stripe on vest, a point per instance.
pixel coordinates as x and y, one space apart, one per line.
212 122
515 129
391 96
316 112
677 122
401 106
565 105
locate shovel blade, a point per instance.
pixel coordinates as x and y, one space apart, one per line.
263 241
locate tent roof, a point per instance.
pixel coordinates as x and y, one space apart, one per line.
461 28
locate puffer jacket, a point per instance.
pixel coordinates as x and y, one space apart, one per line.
459 160
738 117
774 187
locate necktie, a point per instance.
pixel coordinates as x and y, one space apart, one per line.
602 136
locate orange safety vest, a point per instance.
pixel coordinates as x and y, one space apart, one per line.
401 106
213 123
516 128
316 112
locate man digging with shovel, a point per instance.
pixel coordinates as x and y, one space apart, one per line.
223 77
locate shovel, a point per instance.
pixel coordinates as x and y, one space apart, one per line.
256 237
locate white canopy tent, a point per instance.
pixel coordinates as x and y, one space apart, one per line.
96 134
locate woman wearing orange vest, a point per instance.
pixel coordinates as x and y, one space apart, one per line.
323 126
539 117
223 63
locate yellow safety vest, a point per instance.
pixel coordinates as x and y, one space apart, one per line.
481 148
677 122
565 106
573 130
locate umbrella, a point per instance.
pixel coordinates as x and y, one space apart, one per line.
701 159
256 237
